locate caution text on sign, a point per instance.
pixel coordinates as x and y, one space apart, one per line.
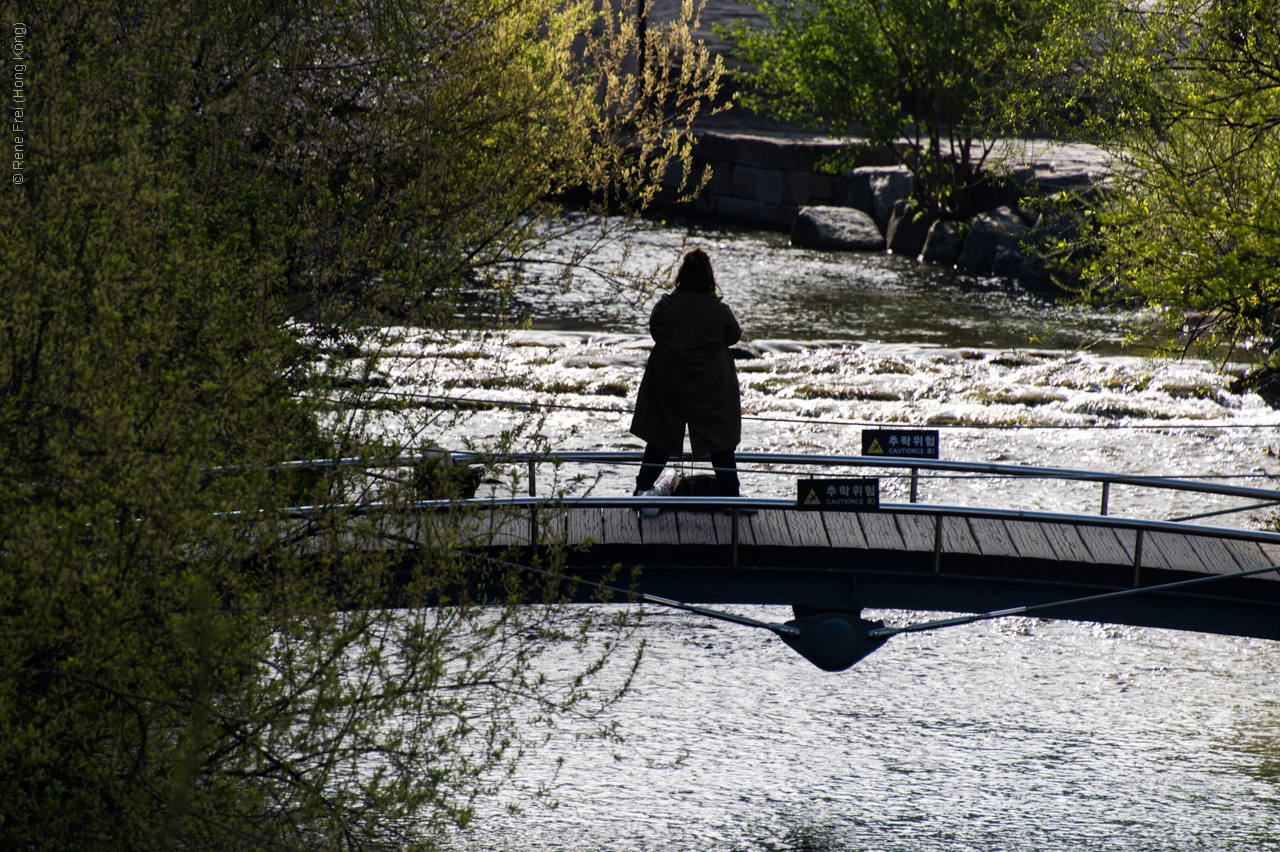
900 443
858 494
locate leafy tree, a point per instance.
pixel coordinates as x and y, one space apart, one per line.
224 204
932 72
1185 96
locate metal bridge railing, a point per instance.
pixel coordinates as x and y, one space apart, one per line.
1267 496
1271 497
736 506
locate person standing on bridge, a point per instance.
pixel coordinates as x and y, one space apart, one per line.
690 379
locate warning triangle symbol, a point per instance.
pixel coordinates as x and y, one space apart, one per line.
812 499
875 448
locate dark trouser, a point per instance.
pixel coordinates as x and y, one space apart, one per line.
722 460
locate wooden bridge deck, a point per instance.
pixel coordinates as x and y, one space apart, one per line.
945 535
913 556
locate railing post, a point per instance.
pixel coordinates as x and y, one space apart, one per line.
1137 558
734 525
937 544
915 481
533 480
1106 494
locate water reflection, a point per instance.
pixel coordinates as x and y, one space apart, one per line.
1260 747
808 838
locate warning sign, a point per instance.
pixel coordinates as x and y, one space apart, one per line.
838 494
900 443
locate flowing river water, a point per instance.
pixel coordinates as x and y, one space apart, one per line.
1021 734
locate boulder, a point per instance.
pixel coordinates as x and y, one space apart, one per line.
989 232
1009 262
907 229
942 243
874 190
837 229
1035 270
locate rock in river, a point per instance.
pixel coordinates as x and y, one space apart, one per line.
836 228
997 229
943 242
907 229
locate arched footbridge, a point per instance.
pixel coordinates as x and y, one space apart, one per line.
914 556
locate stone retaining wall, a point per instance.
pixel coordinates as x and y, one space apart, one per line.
765 180
773 181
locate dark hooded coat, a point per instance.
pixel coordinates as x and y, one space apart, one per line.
690 378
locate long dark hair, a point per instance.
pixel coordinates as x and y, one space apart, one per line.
695 275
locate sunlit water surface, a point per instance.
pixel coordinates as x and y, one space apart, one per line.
1017 735
784 292
1021 734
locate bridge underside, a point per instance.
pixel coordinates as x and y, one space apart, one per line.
915 560
981 589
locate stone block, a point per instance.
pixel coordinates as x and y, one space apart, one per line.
1021 178
1035 269
822 188
721 182
796 157
672 176
759 152
853 189
769 186
717 146
888 187
795 188
874 190
743 210
744 182
706 204
881 156
827 147
803 156
1029 216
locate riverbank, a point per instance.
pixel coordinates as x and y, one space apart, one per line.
763 172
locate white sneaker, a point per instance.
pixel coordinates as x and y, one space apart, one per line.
664 487
648 511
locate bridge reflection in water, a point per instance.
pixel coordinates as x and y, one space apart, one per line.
910 555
